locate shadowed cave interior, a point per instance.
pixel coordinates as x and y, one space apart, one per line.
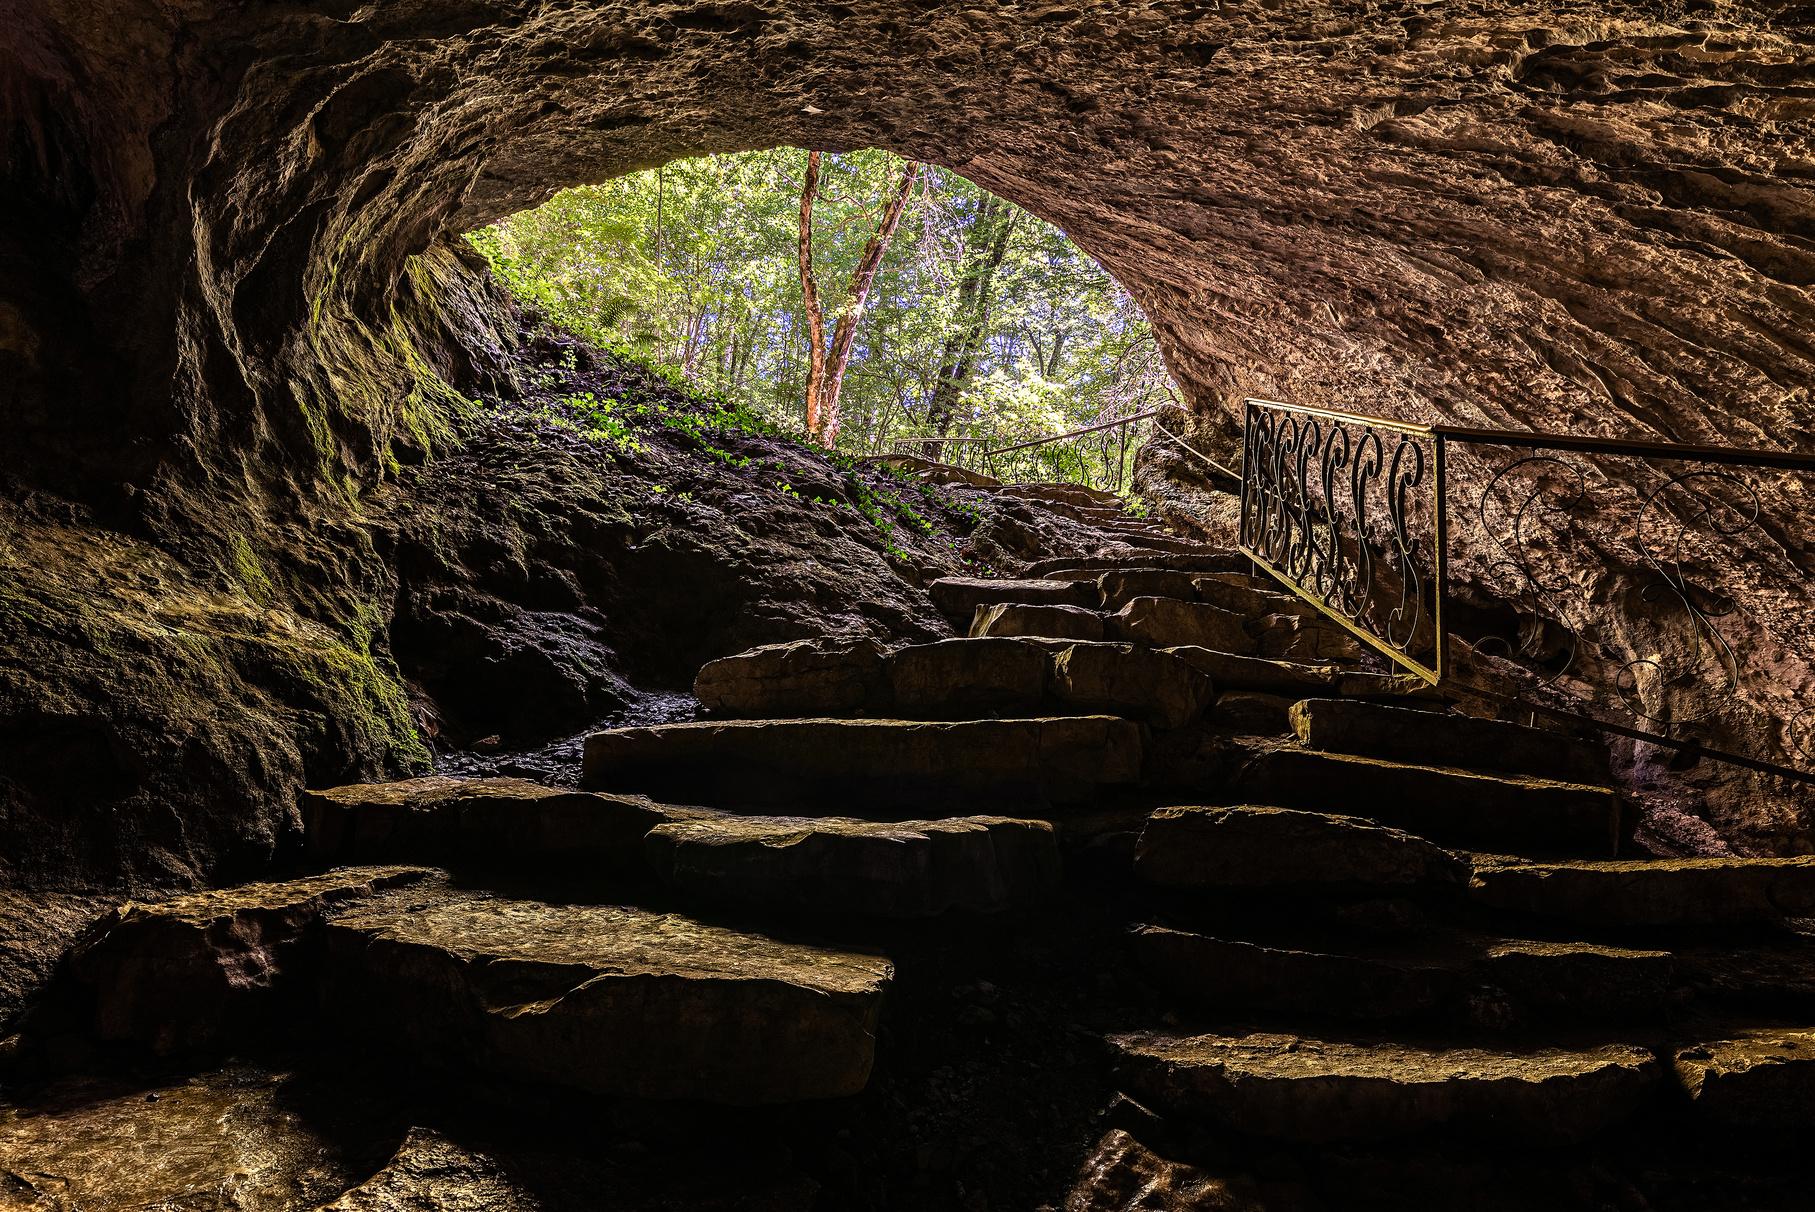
1059 859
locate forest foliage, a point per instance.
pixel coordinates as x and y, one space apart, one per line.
982 321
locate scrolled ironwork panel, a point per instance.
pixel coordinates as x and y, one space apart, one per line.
1346 512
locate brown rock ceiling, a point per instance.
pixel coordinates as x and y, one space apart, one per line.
214 298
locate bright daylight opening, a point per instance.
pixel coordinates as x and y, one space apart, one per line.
867 302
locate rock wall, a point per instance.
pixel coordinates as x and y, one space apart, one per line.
231 310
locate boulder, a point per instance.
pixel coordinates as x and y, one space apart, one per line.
1123 1175
430 1173
843 867
1047 622
203 969
1281 848
1128 680
608 999
807 677
951 677
1326 1090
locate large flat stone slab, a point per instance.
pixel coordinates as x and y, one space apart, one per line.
905 869
1233 671
1498 813
1171 623
1405 734
609 999
1039 622
1495 983
957 598
1250 848
206 968
1089 568
1761 1080
1130 680
805 677
974 676
1326 1090
1652 892
482 825
864 767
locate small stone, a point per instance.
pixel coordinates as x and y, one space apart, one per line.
1763 1080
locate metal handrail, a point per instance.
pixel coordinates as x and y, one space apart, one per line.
1303 467
1076 433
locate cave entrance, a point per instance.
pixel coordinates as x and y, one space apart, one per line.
950 323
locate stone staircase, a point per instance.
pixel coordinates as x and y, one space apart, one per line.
1363 919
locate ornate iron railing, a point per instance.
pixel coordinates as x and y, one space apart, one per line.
1098 455
1353 514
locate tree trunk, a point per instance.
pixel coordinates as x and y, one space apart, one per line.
826 368
984 255
809 296
844 337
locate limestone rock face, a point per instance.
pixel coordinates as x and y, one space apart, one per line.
613 1000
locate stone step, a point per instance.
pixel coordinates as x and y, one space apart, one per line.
205 970
1499 813
990 675
1163 622
1089 568
1403 734
608 999
862 767
1650 892
1248 848
1012 620
1079 494
486 824
824 676
847 867
957 598
1490 983
1329 1090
